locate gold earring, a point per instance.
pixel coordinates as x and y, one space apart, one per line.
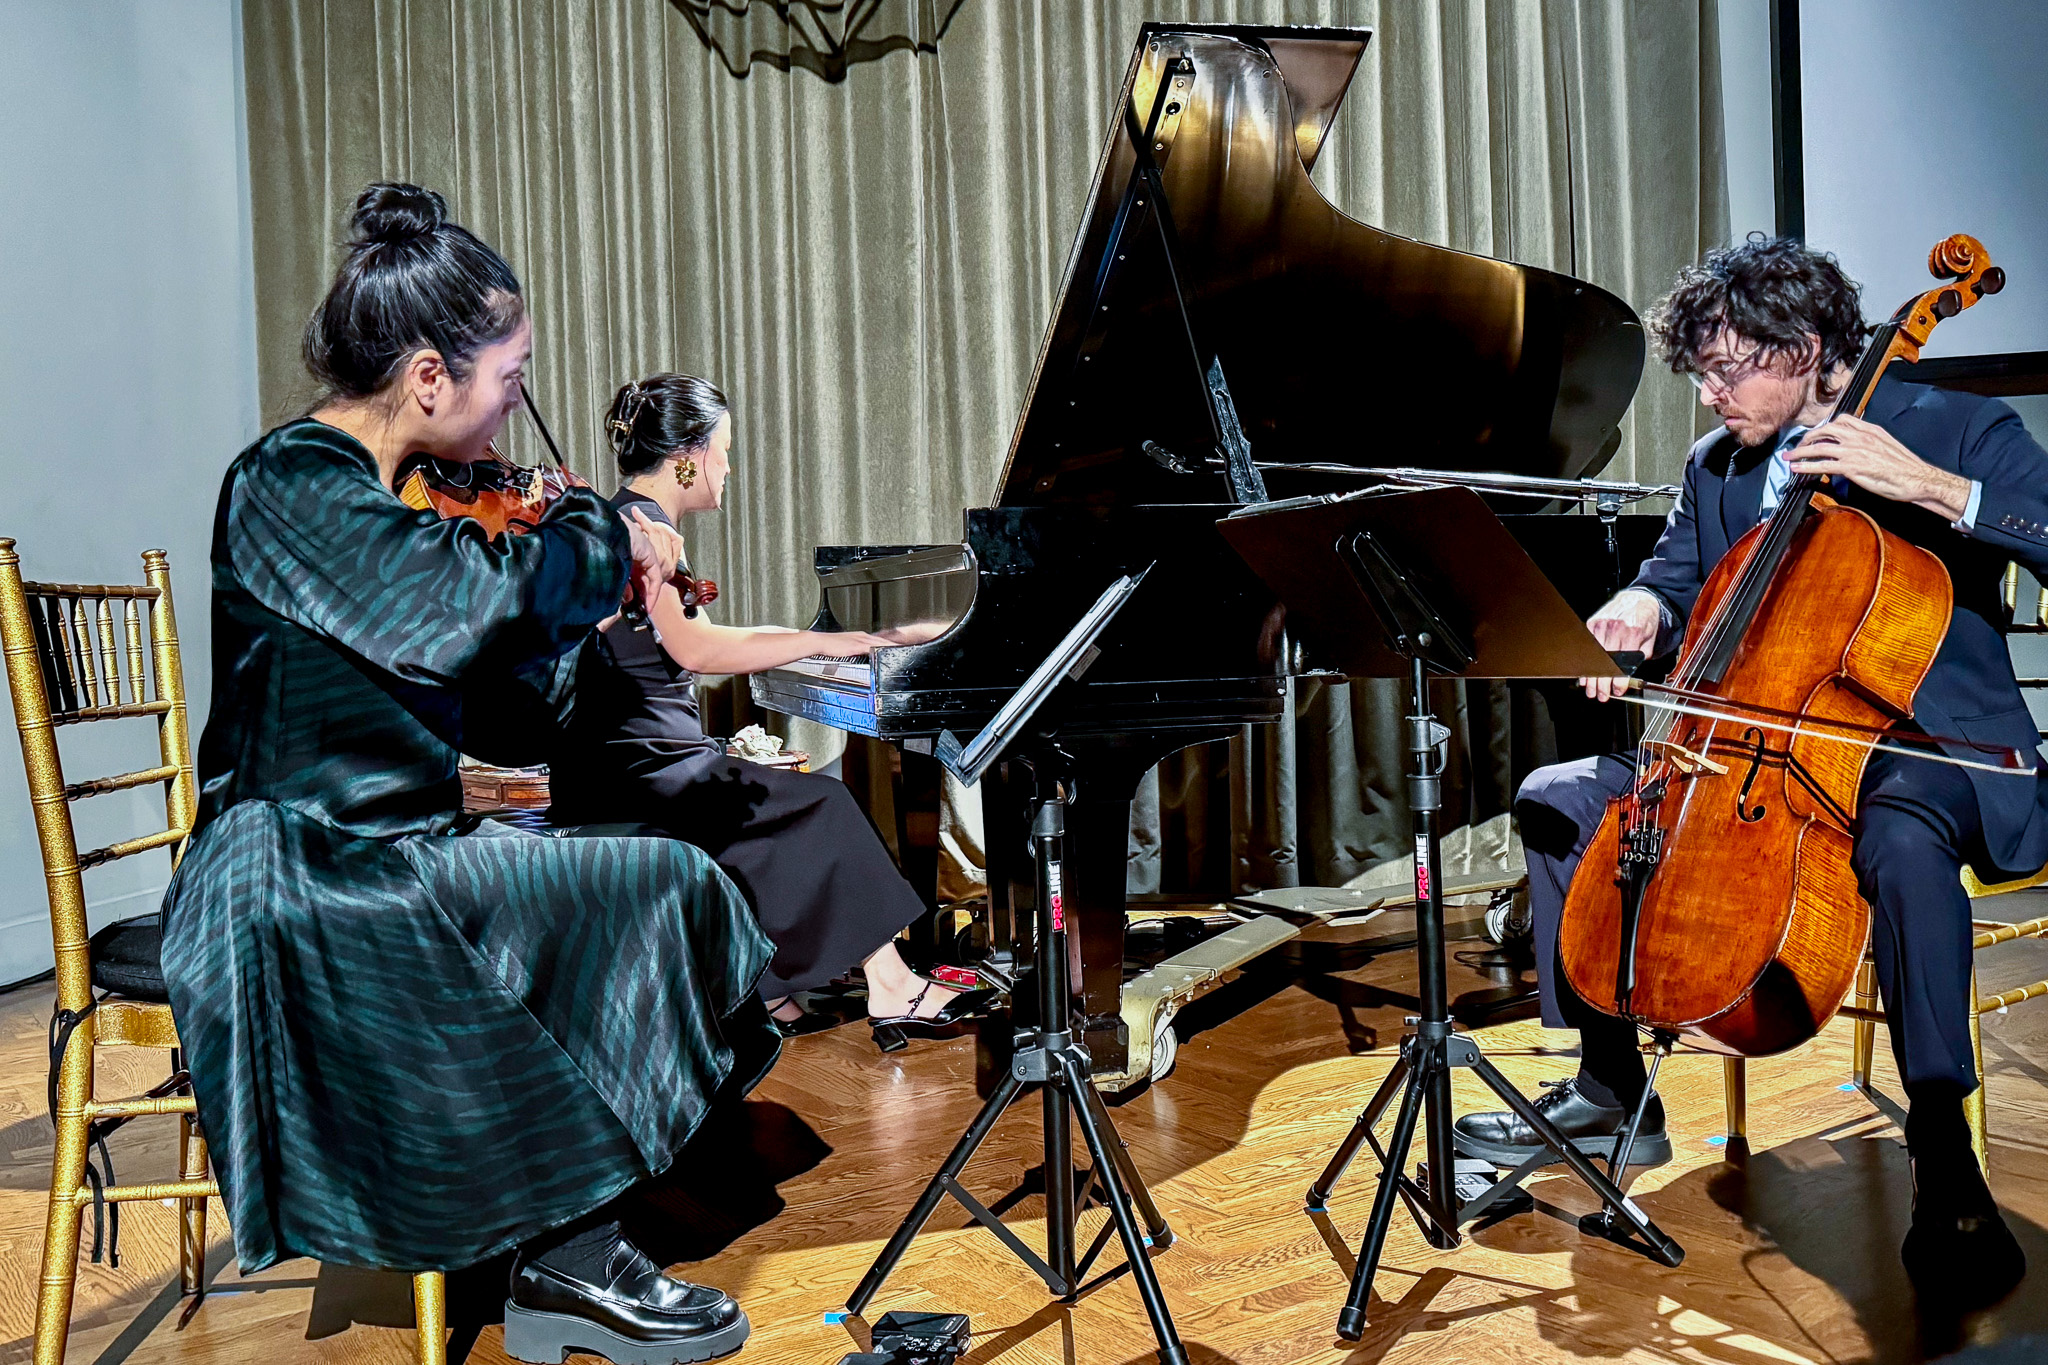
686 472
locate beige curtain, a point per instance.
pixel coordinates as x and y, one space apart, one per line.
860 240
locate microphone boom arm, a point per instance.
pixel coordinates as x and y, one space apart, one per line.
1604 494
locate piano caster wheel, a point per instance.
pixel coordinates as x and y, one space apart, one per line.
1165 1049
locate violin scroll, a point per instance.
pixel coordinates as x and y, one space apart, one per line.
695 592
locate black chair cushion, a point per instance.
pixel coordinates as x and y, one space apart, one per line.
127 958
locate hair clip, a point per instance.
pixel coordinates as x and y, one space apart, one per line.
622 427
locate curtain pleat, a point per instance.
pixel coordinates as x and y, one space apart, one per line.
865 261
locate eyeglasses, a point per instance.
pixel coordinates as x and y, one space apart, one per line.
1726 377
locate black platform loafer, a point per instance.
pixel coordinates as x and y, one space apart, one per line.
1505 1140
1959 1253
636 1316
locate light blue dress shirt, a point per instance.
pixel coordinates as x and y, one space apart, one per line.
1780 474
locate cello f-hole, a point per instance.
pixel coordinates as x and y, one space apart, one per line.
1749 815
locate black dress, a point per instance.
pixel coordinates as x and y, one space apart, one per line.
797 845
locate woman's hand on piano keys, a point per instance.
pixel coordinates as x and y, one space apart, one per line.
914 632
846 644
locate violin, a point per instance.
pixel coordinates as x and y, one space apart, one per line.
1729 910
510 499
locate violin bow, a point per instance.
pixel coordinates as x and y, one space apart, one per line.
696 592
545 435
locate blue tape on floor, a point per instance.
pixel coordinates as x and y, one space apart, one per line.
1850 1086
836 1316
1717 1142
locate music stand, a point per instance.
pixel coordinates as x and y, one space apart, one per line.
1050 1054
1415 584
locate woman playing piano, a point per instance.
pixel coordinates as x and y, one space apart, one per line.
795 843
413 1046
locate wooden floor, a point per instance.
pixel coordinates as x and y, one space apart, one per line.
1792 1257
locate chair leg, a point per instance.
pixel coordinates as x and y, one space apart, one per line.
1973 1104
1735 1097
67 1173
192 1225
430 1315
1866 1031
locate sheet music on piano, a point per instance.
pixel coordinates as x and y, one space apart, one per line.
1073 656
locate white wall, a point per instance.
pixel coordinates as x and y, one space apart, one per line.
1927 119
1919 120
127 359
1746 116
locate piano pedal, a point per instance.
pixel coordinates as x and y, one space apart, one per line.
1471 1178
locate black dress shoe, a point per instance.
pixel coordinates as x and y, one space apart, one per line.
628 1311
893 1033
1505 1140
1959 1253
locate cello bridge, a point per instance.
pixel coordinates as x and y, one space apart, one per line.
1687 761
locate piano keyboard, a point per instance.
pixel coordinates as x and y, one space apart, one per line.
849 672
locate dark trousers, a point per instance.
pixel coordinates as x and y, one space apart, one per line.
1917 825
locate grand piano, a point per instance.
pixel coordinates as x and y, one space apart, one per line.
1216 311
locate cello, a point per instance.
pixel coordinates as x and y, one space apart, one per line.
1732 914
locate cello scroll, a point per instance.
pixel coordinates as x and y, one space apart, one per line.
1966 265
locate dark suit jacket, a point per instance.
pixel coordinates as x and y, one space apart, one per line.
1970 692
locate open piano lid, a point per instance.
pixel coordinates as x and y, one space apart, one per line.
1339 342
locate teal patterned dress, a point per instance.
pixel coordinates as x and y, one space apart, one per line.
414 1047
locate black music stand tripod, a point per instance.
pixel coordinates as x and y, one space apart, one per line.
1423 583
1050 1054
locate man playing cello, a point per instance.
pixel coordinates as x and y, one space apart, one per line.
1768 331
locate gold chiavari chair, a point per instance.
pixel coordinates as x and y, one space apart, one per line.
1988 934
78 653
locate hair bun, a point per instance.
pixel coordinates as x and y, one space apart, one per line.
393 212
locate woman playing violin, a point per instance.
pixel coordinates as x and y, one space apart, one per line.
795 843
417 1046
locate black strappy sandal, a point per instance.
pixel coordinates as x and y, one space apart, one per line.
807 1020
894 1033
